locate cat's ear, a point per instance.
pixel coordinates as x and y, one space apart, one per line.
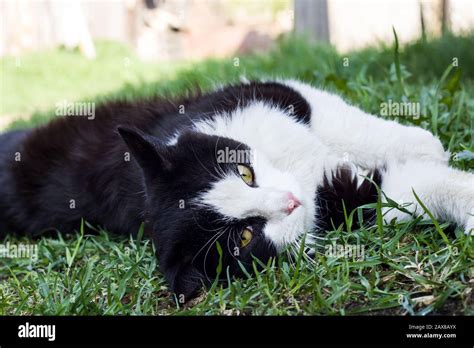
186 281
147 151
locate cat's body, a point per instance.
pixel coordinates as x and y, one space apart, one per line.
301 151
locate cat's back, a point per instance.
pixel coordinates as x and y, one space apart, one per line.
9 147
9 153
73 167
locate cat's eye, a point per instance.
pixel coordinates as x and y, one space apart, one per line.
246 237
246 174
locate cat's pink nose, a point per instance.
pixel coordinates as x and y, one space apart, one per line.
293 203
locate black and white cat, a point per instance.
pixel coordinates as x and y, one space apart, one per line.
253 167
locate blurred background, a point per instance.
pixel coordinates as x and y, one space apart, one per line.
194 29
52 50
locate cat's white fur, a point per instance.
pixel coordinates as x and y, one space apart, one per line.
291 157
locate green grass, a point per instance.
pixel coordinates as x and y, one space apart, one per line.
416 267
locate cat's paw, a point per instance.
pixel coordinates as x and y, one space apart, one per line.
423 145
469 228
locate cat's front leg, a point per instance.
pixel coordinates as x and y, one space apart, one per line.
469 229
364 139
446 192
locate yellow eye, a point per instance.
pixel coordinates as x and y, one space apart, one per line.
246 174
246 237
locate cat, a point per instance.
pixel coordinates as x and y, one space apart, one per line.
227 176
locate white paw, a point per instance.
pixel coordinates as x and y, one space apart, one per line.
423 145
469 229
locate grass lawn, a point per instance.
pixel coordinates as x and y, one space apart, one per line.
417 267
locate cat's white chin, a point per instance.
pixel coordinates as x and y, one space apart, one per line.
288 230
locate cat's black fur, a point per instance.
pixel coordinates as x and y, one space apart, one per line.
344 186
74 168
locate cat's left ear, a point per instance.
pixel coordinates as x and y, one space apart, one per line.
147 151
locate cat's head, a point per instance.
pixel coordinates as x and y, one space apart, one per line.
213 202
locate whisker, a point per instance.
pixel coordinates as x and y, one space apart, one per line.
207 253
210 239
